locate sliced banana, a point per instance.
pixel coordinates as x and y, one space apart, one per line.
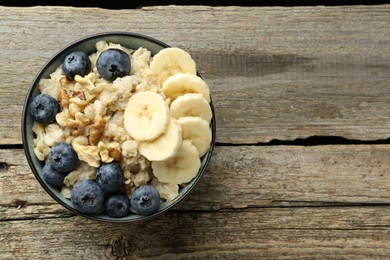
146 116
197 131
170 61
181 168
191 104
180 84
165 146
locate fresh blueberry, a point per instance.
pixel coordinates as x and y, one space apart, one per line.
88 197
117 205
52 176
63 158
109 177
145 199
44 109
76 63
113 63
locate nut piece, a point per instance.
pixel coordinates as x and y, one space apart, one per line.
88 154
103 152
96 131
114 150
76 127
63 97
79 94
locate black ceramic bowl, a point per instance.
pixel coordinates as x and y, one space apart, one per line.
129 40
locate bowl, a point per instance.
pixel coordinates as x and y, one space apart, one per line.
87 44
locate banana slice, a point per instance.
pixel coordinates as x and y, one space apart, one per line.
180 84
146 116
197 131
165 146
181 168
170 61
192 104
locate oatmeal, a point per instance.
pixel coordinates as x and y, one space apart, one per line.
101 119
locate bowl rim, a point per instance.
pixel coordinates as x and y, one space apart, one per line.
29 156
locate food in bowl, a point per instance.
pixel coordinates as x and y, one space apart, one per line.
119 131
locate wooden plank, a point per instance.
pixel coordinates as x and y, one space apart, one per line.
240 177
274 73
291 233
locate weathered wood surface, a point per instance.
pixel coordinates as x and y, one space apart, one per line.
274 233
293 72
274 73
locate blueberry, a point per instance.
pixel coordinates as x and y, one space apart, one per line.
117 205
52 176
109 177
88 197
44 109
145 199
113 63
76 63
63 158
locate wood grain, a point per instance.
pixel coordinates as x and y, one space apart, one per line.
275 74
240 177
293 72
291 233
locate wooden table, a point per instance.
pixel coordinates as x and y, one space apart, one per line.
301 166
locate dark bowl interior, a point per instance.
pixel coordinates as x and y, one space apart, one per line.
129 40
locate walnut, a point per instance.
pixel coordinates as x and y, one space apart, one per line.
103 152
76 127
88 154
114 150
63 117
115 153
96 131
63 97
79 94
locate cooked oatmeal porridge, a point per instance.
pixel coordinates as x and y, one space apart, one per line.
92 119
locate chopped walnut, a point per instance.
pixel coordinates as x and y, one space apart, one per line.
103 152
79 94
63 116
88 154
114 151
83 140
96 131
76 127
63 97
